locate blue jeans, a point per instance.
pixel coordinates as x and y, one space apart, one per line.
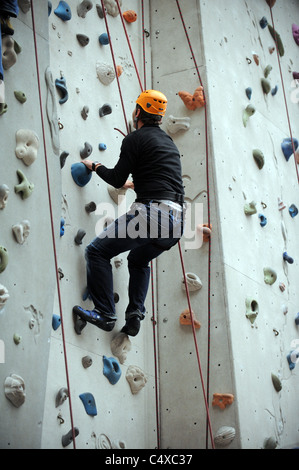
157 228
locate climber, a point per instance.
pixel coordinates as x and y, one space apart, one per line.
8 8
153 224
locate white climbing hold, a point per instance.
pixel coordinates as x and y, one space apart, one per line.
105 73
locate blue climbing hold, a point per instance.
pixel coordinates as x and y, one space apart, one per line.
89 403
292 358
287 147
263 22
104 39
288 258
61 86
274 90
63 11
263 219
56 322
49 8
248 92
111 369
61 226
293 211
102 146
81 174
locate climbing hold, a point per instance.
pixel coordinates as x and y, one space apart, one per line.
104 39
119 70
3 108
136 379
3 258
4 296
256 58
293 210
62 222
27 144
295 31
24 5
84 7
222 400
49 8
276 382
120 346
270 276
62 158
267 70
248 111
79 237
56 322
224 436
296 316
86 361
258 157
86 150
277 39
194 101
175 124
14 388
117 194
79 324
287 258
263 22
61 396
205 230
9 54
287 146
100 11
266 85
281 205
17 338
130 16
248 92
282 286
186 318
84 112
81 174
270 442
4 192
89 403
111 369
102 146
274 90
111 7
105 73
68 438
193 282
292 358
250 208
21 97
24 187
252 309
83 39
263 220
63 11
90 207
51 109
61 86
21 231
105 109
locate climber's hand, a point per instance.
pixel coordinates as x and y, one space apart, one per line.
128 185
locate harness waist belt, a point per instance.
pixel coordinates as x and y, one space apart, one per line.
175 197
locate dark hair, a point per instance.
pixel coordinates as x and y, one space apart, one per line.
148 118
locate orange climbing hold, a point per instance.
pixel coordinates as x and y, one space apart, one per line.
206 230
222 399
194 101
185 318
130 16
119 70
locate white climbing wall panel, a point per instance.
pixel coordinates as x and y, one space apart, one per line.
121 416
243 355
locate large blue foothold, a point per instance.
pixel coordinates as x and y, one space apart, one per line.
81 174
287 147
111 369
89 403
63 11
56 322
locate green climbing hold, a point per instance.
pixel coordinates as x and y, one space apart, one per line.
276 382
250 208
248 111
24 187
266 85
277 39
267 70
21 97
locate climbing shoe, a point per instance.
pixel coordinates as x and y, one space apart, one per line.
95 318
6 26
132 325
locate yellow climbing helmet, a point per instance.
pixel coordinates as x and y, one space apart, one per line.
153 102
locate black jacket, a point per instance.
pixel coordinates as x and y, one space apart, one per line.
151 156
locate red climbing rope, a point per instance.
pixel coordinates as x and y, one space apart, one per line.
284 94
208 209
52 223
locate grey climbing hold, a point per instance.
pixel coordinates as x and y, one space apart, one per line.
79 237
4 192
14 389
61 396
276 382
267 70
3 258
259 158
61 86
248 111
84 112
84 7
68 438
86 150
90 207
63 157
83 39
86 361
266 85
100 11
105 109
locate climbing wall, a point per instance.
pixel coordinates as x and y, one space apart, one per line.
248 302
27 274
86 87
